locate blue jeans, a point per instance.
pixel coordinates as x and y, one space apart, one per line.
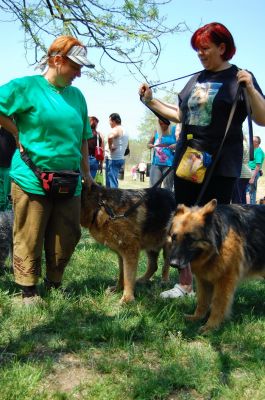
252 189
156 172
112 172
94 164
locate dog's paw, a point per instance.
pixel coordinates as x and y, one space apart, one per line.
205 329
192 317
127 299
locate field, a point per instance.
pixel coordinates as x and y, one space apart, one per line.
81 344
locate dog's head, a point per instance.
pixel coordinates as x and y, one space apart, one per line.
191 234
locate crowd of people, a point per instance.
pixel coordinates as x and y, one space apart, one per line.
45 143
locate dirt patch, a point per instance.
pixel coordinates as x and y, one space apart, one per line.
68 373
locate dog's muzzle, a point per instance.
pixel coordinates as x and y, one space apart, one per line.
178 263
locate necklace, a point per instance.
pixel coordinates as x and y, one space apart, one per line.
57 89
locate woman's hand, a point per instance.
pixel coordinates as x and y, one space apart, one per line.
257 101
88 180
145 93
245 77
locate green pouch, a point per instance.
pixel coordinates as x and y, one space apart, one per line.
99 178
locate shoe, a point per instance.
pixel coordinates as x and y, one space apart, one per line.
175 292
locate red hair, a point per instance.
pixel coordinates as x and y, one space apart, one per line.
61 45
215 33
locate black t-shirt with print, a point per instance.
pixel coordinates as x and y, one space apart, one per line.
206 102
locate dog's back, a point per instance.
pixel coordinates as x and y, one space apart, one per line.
248 223
147 224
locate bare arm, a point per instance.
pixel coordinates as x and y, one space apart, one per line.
85 163
169 111
115 132
151 142
257 102
254 173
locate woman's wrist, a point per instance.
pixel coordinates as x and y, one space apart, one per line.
147 100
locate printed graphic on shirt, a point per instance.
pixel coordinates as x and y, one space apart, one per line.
200 103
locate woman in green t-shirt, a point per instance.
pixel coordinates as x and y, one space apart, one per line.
49 122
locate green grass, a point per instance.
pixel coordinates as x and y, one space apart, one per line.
84 345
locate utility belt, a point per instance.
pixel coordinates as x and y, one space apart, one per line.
56 184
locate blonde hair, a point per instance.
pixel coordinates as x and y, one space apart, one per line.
159 129
62 45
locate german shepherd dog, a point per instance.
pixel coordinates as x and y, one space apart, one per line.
224 244
145 228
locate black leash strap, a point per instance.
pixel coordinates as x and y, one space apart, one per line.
173 80
130 210
31 164
216 158
165 120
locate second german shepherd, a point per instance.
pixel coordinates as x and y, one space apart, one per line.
224 244
145 228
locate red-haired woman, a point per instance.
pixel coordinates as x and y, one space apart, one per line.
97 140
204 108
50 124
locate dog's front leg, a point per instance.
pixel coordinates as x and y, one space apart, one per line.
166 265
130 262
120 283
204 296
223 294
152 257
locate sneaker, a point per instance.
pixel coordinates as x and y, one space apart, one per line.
175 292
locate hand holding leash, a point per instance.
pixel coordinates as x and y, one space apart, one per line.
145 93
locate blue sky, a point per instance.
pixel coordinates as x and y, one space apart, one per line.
244 18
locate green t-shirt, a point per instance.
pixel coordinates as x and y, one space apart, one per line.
258 158
52 123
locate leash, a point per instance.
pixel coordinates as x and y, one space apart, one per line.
175 79
131 209
165 120
240 89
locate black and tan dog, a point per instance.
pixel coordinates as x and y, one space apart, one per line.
224 244
145 228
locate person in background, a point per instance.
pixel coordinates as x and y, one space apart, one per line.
256 170
92 143
134 172
142 170
7 149
117 143
203 109
163 142
51 125
240 189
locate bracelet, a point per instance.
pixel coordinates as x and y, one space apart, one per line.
146 101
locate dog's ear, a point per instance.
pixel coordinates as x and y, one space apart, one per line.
181 208
209 207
